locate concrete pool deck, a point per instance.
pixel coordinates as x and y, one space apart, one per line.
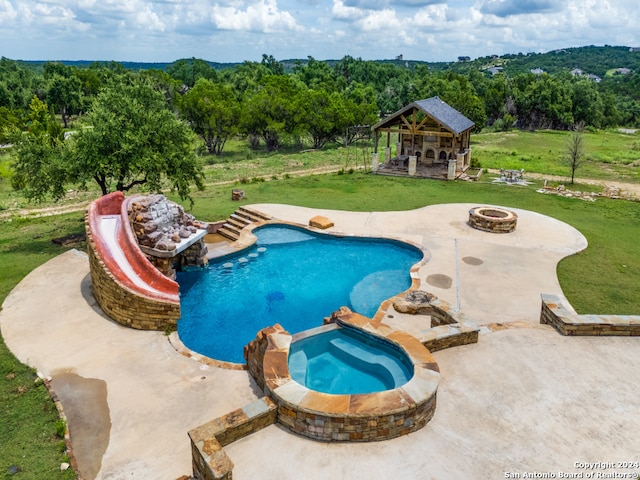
523 399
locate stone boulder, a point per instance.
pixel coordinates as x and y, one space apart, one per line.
320 222
415 302
160 223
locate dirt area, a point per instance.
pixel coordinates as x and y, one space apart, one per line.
79 207
630 190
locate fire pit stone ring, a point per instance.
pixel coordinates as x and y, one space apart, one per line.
493 219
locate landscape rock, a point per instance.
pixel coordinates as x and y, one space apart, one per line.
415 302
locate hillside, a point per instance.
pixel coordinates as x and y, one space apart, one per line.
590 59
596 60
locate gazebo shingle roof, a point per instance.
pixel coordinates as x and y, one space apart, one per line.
439 111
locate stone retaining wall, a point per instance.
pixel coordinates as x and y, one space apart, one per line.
448 336
356 427
123 305
209 460
419 302
554 313
448 328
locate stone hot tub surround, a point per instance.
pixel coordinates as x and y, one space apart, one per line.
355 417
493 219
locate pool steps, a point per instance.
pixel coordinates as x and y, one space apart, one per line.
361 358
350 351
238 220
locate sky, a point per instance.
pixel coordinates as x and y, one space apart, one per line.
243 30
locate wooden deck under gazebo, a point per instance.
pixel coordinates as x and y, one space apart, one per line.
433 141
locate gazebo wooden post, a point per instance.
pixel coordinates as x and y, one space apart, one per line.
375 157
387 150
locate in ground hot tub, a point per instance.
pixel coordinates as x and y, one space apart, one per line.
355 381
348 361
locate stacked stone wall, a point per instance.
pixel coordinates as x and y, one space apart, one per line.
254 353
355 427
195 255
209 460
554 313
121 297
448 336
122 304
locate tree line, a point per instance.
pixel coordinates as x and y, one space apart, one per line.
314 102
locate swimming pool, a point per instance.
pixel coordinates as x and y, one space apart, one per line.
291 276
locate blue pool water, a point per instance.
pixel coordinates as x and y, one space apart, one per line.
345 361
292 277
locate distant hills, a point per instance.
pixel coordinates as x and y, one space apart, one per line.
596 60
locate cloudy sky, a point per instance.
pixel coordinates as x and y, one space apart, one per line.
239 30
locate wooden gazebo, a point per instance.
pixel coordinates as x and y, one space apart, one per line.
432 141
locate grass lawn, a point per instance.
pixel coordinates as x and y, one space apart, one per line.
609 155
30 426
603 279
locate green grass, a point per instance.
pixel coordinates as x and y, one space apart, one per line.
28 434
610 155
603 279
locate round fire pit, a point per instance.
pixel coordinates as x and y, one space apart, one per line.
493 219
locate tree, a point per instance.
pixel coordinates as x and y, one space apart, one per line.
270 111
17 84
128 138
212 112
322 115
315 73
274 66
39 169
9 122
188 71
543 102
575 149
65 94
587 103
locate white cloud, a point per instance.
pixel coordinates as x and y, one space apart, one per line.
506 8
341 11
433 17
417 3
7 12
236 30
263 16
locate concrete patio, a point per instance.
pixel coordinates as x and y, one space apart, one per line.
523 399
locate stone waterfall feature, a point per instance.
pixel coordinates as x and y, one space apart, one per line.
169 237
